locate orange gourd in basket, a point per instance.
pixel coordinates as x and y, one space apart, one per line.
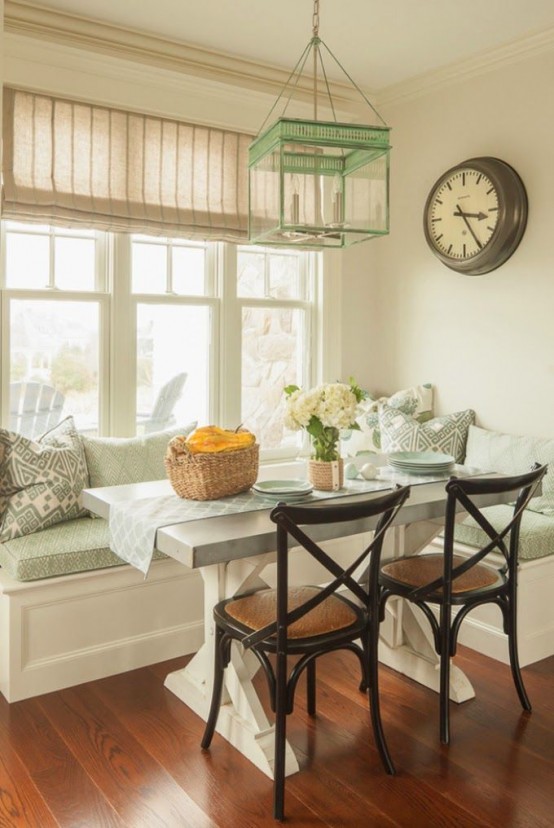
212 462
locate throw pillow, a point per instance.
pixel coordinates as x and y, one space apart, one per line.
416 401
40 481
113 461
447 434
512 454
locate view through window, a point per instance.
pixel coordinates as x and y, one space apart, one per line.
138 333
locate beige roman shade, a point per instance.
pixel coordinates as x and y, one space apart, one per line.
73 163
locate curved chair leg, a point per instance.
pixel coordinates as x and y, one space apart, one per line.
370 645
444 690
219 667
511 623
310 677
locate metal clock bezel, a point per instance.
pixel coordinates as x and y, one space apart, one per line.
512 216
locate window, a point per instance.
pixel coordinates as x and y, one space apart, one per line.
141 332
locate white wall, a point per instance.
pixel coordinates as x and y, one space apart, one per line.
486 342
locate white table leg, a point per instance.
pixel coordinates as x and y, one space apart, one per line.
242 720
406 642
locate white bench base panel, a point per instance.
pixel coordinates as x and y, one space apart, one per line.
63 631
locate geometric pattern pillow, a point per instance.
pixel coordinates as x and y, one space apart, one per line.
417 402
446 434
114 461
40 481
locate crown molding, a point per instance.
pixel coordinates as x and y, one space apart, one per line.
35 21
69 30
455 73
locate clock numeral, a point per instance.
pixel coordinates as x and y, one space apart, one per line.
448 185
449 249
436 219
463 179
491 209
439 201
490 228
464 252
479 179
438 238
490 191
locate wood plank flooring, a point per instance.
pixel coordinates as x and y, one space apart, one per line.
125 752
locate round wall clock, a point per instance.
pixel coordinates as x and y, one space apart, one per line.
475 215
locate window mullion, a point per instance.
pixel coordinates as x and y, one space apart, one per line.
230 342
122 337
52 263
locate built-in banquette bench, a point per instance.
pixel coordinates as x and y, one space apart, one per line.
70 611
405 421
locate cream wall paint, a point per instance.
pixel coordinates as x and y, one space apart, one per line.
401 317
486 342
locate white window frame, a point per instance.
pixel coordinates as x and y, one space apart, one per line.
118 313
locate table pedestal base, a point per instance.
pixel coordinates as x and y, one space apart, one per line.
406 645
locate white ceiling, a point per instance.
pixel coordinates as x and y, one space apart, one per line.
378 43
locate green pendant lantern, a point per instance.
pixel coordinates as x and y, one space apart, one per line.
316 184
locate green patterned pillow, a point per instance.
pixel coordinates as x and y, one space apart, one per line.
113 461
416 401
447 434
40 481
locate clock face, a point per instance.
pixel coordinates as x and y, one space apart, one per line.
463 214
475 215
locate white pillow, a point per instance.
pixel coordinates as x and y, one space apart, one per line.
513 454
416 401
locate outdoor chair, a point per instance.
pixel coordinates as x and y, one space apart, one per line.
309 621
161 416
34 408
448 580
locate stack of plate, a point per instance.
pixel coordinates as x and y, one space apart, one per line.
421 462
285 491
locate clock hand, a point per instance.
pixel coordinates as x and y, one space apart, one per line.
469 227
479 216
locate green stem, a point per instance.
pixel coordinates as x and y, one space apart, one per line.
325 445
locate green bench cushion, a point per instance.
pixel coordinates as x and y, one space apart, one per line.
536 538
77 545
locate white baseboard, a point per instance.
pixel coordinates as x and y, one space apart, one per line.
63 631
482 630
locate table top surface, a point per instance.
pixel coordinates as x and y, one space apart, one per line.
213 540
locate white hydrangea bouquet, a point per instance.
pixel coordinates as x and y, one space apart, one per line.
323 411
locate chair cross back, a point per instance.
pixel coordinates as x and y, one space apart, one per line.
287 519
457 491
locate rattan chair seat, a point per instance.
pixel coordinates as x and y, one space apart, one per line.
423 569
260 609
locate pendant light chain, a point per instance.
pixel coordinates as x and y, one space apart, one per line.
315 19
316 184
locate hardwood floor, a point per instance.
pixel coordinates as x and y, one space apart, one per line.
125 752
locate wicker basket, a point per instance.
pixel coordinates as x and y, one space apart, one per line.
209 476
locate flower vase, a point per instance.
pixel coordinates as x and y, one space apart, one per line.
326 475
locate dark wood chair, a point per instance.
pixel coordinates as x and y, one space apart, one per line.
450 580
309 621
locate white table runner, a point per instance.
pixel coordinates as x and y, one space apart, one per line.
134 523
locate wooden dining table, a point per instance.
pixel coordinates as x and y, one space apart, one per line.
235 553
